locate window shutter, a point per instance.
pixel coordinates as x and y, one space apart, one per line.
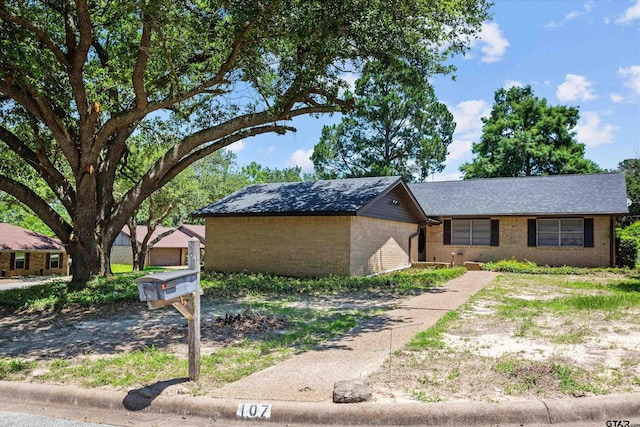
531 232
26 261
495 232
48 264
13 260
588 232
447 232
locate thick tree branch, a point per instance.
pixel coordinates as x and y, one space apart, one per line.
41 164
137 77
39 107
40 207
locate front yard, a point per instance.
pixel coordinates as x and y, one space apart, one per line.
524 336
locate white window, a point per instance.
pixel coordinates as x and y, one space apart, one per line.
471 232
54 261
561 232
20 261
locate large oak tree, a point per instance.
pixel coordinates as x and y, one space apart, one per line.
78 78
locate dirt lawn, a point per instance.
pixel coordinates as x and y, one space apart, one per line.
527 337
522 337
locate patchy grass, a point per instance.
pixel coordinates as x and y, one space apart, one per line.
10 366
227 360
550 334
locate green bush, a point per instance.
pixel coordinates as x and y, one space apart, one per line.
626 250
529 267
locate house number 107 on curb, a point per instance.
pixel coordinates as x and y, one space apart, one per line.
254 410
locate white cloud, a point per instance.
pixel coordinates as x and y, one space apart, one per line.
301 158
512 83
630 14
574 88
494 45
616 97
632 76
236 147
574 14
591 132
350 79
467 115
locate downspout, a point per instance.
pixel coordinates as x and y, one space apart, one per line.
411 237
417 233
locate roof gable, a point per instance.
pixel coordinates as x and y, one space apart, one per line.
325 197
176 237
17 238
586 194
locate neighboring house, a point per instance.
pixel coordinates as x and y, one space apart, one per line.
171 250
343 227
371 225
24 252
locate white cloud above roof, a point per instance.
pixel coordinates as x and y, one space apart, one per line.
575 88
632 77
301 158
236 147
616 97
591 131
467 115
512 83
630 14
493 44
587 7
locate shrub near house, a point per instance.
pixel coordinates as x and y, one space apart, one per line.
24 252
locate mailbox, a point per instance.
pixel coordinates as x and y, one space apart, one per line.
167 285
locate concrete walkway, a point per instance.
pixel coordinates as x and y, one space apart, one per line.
309 377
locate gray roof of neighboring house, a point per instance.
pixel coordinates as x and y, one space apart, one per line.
303 198
592 194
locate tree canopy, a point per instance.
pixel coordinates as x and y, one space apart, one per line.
525 136
78 79
397 127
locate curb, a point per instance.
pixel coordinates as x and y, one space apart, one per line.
588 409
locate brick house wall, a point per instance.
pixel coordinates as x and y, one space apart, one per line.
300 246
513 244
307 246
379 245
37 264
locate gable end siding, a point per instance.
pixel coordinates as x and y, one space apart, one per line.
404 210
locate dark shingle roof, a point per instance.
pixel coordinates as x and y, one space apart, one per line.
302 198
541 195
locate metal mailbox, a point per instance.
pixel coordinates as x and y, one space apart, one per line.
167 285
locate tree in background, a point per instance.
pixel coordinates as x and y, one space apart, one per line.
524 136
78 79
397 127
631 169
258 174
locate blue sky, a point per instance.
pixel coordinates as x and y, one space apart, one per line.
575 53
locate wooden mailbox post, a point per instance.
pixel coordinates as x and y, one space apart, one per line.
182 290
